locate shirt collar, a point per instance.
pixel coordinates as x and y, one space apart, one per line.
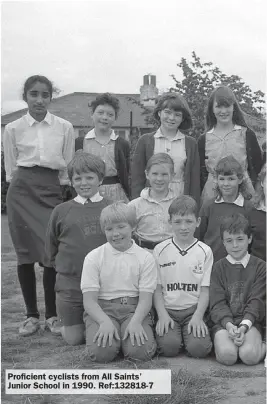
92 135
239 200
130 250
145 194
179 135
236 127
95 198
262 207
31 120
244 260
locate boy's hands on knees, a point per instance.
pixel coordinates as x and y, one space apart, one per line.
197 325
136 331
105 333
163 324
240 336
232 330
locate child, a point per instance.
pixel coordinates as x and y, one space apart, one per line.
258 218
182 294
172 114
118 281
228 134
113 149
237 297
152 206
73 231
37 149
232 197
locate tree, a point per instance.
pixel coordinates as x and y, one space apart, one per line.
199 79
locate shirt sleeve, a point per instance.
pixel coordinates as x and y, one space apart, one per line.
148 275
10 152
68 153
156 257
90 273
207 268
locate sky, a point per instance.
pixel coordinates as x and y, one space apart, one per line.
99 46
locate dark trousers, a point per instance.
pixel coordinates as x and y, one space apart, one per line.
27 280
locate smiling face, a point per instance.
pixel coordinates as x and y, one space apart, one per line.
223 113
103 117
86 184
170 119
184 228
236 245
119 235
38 98
159 176
229 185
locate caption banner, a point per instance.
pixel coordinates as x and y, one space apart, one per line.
88 381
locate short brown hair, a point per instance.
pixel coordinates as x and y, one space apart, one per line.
84 162
160 158
176 102
183 205
118 212
235 224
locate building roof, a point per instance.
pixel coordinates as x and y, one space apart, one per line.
74 108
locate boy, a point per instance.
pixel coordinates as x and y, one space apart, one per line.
118 281
73 231
182 294
237 297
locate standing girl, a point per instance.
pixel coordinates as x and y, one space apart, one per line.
228 134
258 218
232 198
112 149
152 206
172 114
37 149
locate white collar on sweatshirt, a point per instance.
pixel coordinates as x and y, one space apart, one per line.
236 127
179 135
262 207
91 135
145 194
130 250
31 120
244 260
239 200
95 198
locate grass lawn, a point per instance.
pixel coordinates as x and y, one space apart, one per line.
45 351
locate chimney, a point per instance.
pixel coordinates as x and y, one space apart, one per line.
148 91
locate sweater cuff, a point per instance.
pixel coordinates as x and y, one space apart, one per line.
226 320
249 317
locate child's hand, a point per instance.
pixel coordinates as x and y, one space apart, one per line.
163 324
105 333
198 326
232 330
240 337
135 331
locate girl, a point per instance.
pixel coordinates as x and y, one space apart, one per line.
232 197
112 149
37 149
172 114
258 218
228 134
152 206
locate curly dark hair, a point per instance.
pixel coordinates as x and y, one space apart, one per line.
176 102
106 98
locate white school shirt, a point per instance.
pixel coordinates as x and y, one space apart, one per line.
49 143
95 198
152 216
114 274
239 200
182 276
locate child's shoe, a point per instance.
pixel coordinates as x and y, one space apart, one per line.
30 326
52 325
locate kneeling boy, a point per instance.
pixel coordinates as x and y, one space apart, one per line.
182 295
118 281
238 297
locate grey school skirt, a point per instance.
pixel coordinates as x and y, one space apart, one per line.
32 195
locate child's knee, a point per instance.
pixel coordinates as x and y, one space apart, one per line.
250 354
73 335
103 355
169 344
143 353
199 347
226 356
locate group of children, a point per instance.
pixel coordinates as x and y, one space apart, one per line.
155 272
